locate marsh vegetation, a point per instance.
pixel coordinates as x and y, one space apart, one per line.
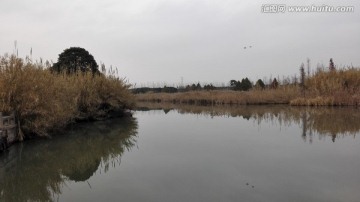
324 88
46 102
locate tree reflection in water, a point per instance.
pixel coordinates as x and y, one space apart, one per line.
36 170
325 121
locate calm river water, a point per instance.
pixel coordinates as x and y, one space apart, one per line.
187 153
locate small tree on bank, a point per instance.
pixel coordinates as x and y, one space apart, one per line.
274 84
259 84
75 59
209 87
302 79
246 84
243 85
331 65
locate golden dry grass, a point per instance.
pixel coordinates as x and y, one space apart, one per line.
44 101
275 96
335 88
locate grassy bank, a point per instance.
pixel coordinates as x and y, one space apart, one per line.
334 88
46 102
221 97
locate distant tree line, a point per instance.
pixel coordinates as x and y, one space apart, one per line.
241 85
165 89
245 84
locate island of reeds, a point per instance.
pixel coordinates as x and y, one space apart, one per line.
325 87
47 97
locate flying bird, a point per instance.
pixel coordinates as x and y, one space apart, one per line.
245 47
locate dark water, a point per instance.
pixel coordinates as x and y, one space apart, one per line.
194 154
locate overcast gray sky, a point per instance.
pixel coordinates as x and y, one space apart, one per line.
197 40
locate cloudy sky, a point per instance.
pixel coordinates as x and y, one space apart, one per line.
166 41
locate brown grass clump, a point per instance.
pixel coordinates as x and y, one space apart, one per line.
328 83
44 102
333 88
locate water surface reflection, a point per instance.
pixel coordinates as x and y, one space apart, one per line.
194 153
325 121
37 170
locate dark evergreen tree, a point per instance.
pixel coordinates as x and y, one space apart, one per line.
237 85
260 84
245 84
198 86
75 59
331 65
209 87
302 79
188 88
274 84
233 83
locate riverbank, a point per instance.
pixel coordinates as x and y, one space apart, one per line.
46 102
255 97
222 97
324 88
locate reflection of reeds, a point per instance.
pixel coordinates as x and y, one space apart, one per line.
324 121
37 172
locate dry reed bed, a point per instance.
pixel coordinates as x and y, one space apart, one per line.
45 102
276 96
334 88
